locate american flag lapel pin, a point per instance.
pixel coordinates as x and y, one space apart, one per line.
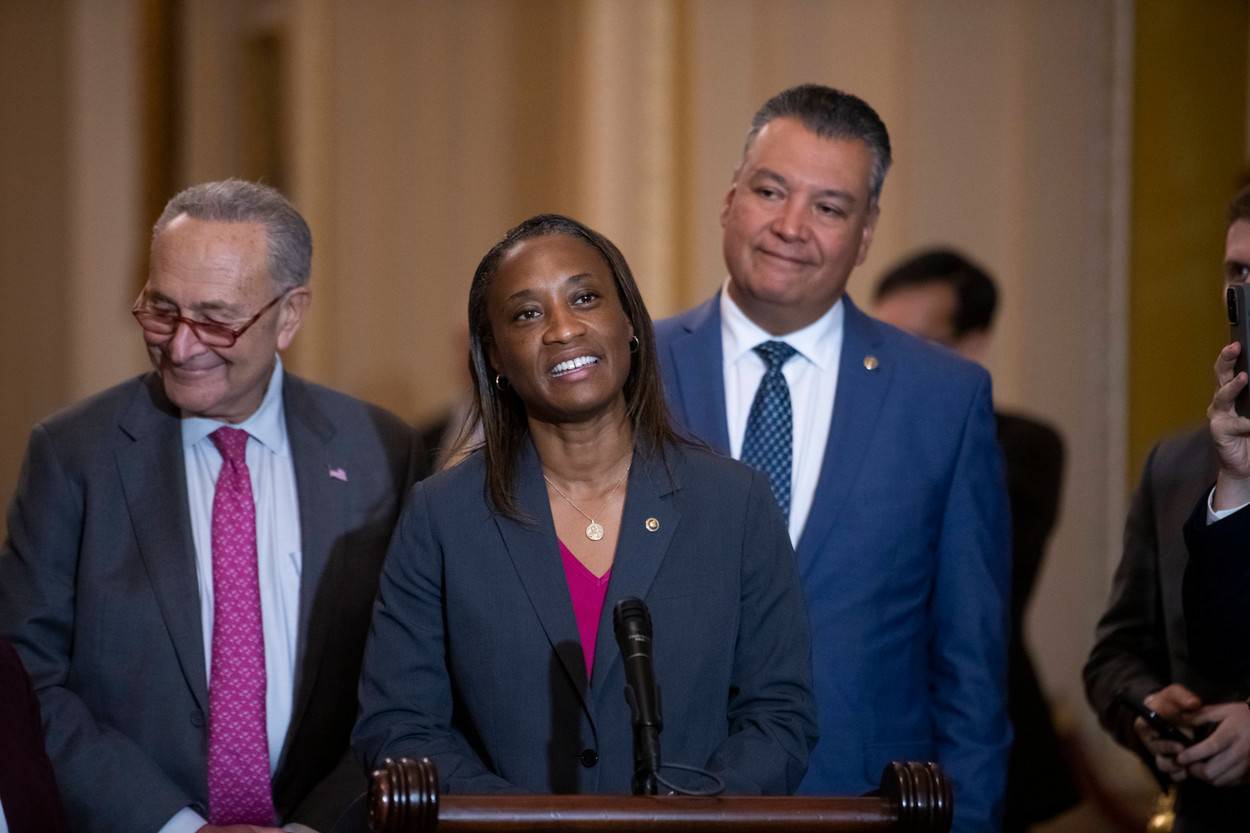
338 474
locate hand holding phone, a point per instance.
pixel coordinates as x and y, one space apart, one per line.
1167 729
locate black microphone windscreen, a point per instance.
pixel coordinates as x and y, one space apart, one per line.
631 608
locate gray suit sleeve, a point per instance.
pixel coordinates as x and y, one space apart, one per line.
772 712
106 781
1130 650
406 697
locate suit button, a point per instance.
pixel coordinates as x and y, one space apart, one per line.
589 758
197 718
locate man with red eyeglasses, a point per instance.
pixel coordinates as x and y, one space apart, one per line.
193 554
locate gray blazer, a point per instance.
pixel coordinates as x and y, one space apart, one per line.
1140 644
98 594
474 658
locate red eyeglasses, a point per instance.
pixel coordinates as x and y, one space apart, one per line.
210 333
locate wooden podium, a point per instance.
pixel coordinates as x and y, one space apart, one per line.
404 798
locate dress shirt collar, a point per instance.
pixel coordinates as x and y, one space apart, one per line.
267 425
818 342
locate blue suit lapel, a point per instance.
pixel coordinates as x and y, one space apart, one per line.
857 403
322 503
154 483
639 550
697 358
535 554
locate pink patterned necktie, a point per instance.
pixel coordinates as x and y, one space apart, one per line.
239 790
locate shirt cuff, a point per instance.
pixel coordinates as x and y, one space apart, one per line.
1214 514
185 820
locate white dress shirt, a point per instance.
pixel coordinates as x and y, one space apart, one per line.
812 375
1214 514
272 473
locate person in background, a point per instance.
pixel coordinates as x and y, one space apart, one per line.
29 801
881 453
1141 648
192 555
492 651
944 297
447 436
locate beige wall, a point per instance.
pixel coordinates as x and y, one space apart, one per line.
69 180
34 215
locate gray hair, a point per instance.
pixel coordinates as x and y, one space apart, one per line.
239 201
830 114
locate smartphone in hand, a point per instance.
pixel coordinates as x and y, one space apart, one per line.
1238 298
1166 728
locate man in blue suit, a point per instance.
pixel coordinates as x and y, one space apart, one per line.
880 449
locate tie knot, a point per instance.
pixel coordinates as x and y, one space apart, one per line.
232 443
775 353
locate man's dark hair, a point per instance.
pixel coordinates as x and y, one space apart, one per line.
830 114
498 409
1239 208
976 298
239 201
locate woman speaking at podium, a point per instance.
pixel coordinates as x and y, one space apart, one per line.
492 651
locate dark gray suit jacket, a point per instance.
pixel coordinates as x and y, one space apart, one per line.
474 658
98 594
1141 644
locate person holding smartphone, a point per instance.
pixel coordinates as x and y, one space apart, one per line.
1217 576
1157 650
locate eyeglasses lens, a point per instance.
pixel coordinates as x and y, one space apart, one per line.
165 324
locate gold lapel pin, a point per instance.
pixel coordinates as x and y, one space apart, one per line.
652 524
870 362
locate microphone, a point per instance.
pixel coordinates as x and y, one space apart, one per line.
632 622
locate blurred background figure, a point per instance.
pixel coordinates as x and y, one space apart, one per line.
448 436
943 296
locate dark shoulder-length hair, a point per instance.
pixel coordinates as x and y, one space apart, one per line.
497 408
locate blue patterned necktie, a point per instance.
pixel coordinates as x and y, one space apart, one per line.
768 442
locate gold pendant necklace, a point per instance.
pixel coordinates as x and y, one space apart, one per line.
594 529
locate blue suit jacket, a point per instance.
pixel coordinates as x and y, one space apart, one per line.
905 558
474 658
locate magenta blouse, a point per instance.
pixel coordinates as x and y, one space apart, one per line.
587 591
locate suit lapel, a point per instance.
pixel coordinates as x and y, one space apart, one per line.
861 392
154 483
647 524
322 501
698 364
535 554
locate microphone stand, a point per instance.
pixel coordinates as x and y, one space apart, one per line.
632 624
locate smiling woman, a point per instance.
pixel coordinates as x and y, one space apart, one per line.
487 652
